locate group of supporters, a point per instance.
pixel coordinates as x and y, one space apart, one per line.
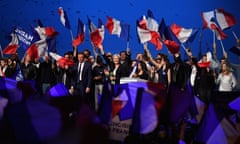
86 77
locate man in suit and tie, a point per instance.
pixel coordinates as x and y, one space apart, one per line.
82 79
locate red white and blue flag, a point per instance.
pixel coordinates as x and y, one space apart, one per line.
147 32
209 21
183 34
96 33
62 61
64 18
11 48
38 49
80 34
169 38
114 26
225 19
46 32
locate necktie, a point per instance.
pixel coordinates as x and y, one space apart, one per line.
80 71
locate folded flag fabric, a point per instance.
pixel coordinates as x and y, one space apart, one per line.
64 18
46 32
80 34
9 90
235 104
184 34
225 19
38 49
115 27
145 118
209 21
11 48
96 33
235 50
37 119
62 61
216 128
147 29
58 90
3 104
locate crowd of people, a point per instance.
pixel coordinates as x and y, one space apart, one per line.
86 77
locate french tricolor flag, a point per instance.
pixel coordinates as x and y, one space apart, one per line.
183 34
80 34
146 33
152 24
225 19
11 48
46 32
38 49
209 21
96 34
62 61
114 26
64 18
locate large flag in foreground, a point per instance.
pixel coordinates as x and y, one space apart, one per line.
121 103
215 128
34 121
145 118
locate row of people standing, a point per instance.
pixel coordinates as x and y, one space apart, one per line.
48 73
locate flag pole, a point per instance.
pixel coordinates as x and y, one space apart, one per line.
1 52
128 44
234 34
222 46
214 38
71 33
183 47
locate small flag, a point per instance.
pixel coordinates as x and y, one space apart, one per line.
183 34
46 32
38 49
225 19
114 26
96 34
147 29
62 61
80 34
11 48
209 21
64 18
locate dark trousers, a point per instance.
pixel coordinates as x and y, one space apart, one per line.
80 92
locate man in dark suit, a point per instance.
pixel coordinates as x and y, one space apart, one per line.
125 66
82 79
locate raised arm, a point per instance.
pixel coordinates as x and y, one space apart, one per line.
150 56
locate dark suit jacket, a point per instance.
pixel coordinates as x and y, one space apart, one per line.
86 75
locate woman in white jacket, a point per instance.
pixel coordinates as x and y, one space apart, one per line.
226 79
